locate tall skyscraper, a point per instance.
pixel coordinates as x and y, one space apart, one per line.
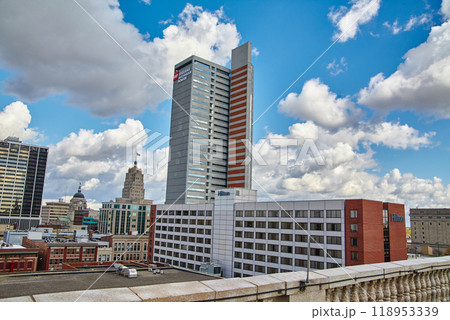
134 184
211 123
22 173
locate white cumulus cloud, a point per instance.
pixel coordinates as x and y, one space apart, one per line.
317 103
14 121
421 83
100 160
54 48
445 8
349 168
347 20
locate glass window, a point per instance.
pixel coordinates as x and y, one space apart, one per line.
316 213
353 214
333 227
301 250
286 225
333 213
333 240
335 253
261 224
249 213
317 226
260 213
301 213
273 214
353 227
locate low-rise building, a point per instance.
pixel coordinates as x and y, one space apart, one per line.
129 247
104 254
58 255
15 258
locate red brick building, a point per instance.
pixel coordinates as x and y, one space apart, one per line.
151 234
17 259
78 217
58 255
374 232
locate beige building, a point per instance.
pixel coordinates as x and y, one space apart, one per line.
52 211
105 254
129 247
430 227
133 188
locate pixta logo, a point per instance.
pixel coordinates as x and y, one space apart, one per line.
149 147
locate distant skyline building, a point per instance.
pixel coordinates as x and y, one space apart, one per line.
211 120
133 188
52 211
430 227
131 213
77 204
22 174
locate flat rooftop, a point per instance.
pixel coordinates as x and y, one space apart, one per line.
32 284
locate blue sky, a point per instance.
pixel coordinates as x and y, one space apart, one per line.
386 139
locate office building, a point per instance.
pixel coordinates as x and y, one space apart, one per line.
245 237
130 214
123 216
211 128
430 227
22 173
53 211
134 184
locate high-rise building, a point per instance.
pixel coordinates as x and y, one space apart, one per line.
211 128
134 184
22 173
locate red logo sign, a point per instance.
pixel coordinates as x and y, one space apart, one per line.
175 76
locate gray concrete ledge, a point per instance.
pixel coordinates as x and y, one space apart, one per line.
273 287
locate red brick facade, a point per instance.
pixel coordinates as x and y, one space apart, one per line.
241 115
364 232
151 234
18 260
54 256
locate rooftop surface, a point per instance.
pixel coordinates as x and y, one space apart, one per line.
27 285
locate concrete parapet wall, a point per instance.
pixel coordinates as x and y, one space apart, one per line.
417 280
